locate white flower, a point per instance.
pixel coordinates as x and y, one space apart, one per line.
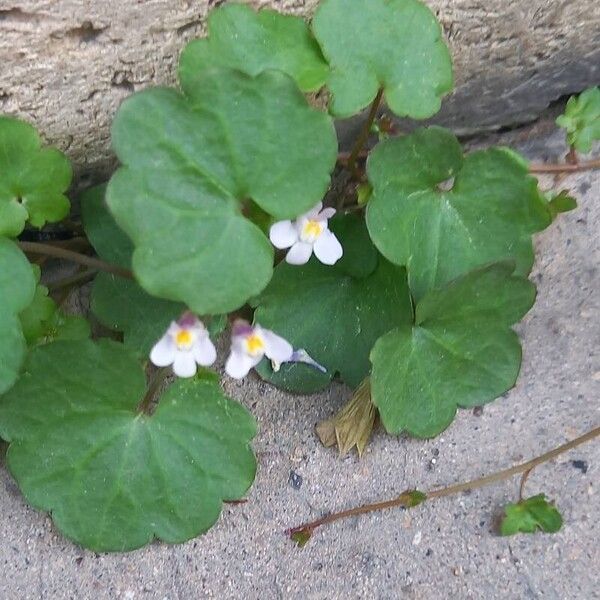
185 343
249 343
306 234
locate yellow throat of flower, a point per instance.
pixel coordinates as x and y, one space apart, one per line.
312 230
254 344
184 339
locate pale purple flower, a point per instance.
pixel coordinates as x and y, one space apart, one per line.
307 234
249 343
185 345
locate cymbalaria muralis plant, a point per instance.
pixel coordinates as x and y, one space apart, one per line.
404 282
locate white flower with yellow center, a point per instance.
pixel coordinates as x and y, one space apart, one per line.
307 234
185 344
249 343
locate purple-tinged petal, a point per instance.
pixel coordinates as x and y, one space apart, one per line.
204 351
283 234
277 348
184 365
299 253
327 248
164 351
314 211
326 214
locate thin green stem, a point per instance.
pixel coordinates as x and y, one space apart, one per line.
401 501
363 136
76 257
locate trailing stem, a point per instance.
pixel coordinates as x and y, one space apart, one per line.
363 136
146 404
76 257
403 501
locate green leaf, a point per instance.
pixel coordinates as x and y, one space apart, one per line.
65 327
110 242
531 515
437 233
301 537
560 203
33 179
360 257
253 42
459 352
35 316
412 498
189 163
336 318
396 45
582 119
122 305
17 289
113 478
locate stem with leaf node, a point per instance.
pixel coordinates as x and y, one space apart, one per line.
403 501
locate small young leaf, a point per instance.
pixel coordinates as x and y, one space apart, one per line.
489 214
65 327
396 45
301 537
253 42
336 318
582 119
17 289
33 179
185 175
560 203
412 498
460 351
531 515
113 478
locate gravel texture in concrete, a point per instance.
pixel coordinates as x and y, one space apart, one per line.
445 549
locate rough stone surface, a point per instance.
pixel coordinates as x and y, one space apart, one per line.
445 549
67 64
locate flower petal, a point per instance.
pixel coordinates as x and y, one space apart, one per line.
283 234
277 348
204 351
299 253
326 214
327 248
164 351
314 211
239 363
184 365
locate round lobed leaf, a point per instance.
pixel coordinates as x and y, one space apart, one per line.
531 515
32 179
112 477
185 175
438 233
459 352
396 45
253 42
335 317
17 290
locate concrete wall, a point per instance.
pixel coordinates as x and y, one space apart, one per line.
65 65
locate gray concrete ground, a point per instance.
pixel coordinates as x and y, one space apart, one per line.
446 549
